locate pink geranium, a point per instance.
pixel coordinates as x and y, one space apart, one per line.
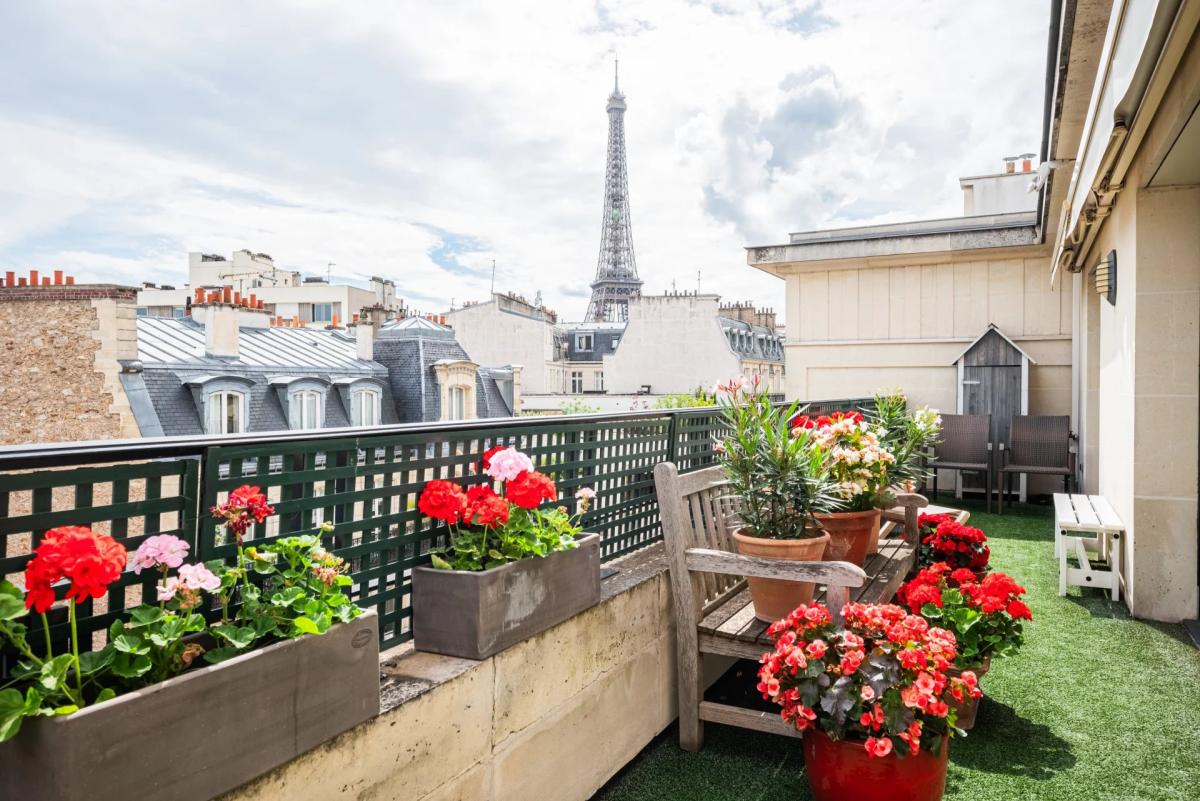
159 551
507 464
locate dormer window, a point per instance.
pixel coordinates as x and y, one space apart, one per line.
583 342
225 412
364 407
306 409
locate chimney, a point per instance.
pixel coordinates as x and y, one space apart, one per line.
364 339
220 318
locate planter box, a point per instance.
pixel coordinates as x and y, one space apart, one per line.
206 732
474 614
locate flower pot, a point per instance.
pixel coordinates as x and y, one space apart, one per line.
474 614
849 534
968 708
776 598
873 539
203 733
842 770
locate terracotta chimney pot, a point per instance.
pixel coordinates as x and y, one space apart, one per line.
70 280
58 276
33 278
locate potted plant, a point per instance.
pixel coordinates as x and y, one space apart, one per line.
780 482
985 616
170 688
944 539
872 697
511 568
858 464
907 436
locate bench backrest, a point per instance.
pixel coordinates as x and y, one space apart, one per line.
698 511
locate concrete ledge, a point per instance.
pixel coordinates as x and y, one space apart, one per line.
496 729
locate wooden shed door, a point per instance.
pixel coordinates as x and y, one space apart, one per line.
994 390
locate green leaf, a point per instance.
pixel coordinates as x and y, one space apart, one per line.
239 637
68 709
439 562
144 616
12 712
306 625
130 643
216 655
107 694
131 666
92 661
12 604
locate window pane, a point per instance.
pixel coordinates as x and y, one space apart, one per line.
233 413
322 312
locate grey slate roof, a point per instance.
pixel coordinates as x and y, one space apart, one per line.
752 341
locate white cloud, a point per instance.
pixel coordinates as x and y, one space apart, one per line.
420 140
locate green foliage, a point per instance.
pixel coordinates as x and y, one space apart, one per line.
686 400
907 436
579 407
779 476
529 533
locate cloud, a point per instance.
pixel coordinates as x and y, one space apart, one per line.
419 141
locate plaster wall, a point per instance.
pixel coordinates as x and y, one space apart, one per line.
493 336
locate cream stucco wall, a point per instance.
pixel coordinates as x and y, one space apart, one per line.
493 336
673 343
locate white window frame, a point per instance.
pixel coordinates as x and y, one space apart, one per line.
362 400
599 380
576 382
457 396
296 400
328 319
216 417
580 339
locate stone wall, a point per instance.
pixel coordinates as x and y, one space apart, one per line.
61 346
552 718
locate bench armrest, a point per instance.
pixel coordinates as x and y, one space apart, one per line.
839 574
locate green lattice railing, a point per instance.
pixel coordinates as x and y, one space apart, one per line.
364 481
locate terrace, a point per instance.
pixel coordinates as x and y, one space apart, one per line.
1093 707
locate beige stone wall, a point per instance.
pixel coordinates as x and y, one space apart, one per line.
61 372
550 719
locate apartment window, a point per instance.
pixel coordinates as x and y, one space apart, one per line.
458 403
226 412
306 409
364 407
614 343
322 312
576 382
142 311
180 312
599 381
583 342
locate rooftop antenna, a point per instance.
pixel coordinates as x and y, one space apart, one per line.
493 276
697 282
329 271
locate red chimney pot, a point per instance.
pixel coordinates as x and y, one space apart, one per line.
33 278
58 275
70 280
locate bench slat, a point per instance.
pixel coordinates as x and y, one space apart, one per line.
769 722
1064 511
1083 511
1105 512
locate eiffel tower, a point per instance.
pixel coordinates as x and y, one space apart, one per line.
616 270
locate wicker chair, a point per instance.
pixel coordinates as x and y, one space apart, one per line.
964 448
1038 445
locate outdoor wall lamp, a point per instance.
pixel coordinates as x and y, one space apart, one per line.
1106 277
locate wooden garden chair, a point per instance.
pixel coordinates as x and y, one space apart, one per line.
713 612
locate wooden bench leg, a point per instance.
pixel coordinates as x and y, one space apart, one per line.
691 728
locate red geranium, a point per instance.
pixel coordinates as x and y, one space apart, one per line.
529 489
245 504
90 561
956 544
485 507
443 500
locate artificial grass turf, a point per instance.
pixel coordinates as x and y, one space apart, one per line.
1095 707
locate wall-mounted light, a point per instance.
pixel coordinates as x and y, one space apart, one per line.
1106 277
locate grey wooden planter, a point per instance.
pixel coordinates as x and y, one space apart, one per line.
474 614
206 732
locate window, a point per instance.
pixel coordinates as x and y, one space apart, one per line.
364 407
306 409
583 342
142 311
599 380
226 412
458 403
576 382
322 312
180 312
615 341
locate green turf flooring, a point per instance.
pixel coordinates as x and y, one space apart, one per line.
1096 707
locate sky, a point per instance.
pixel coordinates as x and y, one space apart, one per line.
421 140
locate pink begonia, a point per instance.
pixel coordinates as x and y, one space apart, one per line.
199 577
507 464
161 550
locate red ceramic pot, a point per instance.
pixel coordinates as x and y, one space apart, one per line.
842 770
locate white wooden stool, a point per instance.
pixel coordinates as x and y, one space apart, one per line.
1086 524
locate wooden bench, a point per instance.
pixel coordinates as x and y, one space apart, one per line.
713 612
1086 524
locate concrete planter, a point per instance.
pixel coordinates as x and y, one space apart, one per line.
474 614
206 732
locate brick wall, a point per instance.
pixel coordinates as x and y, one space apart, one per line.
60 347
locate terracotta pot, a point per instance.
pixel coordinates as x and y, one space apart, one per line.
968 709
849 534
843 771
776 598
